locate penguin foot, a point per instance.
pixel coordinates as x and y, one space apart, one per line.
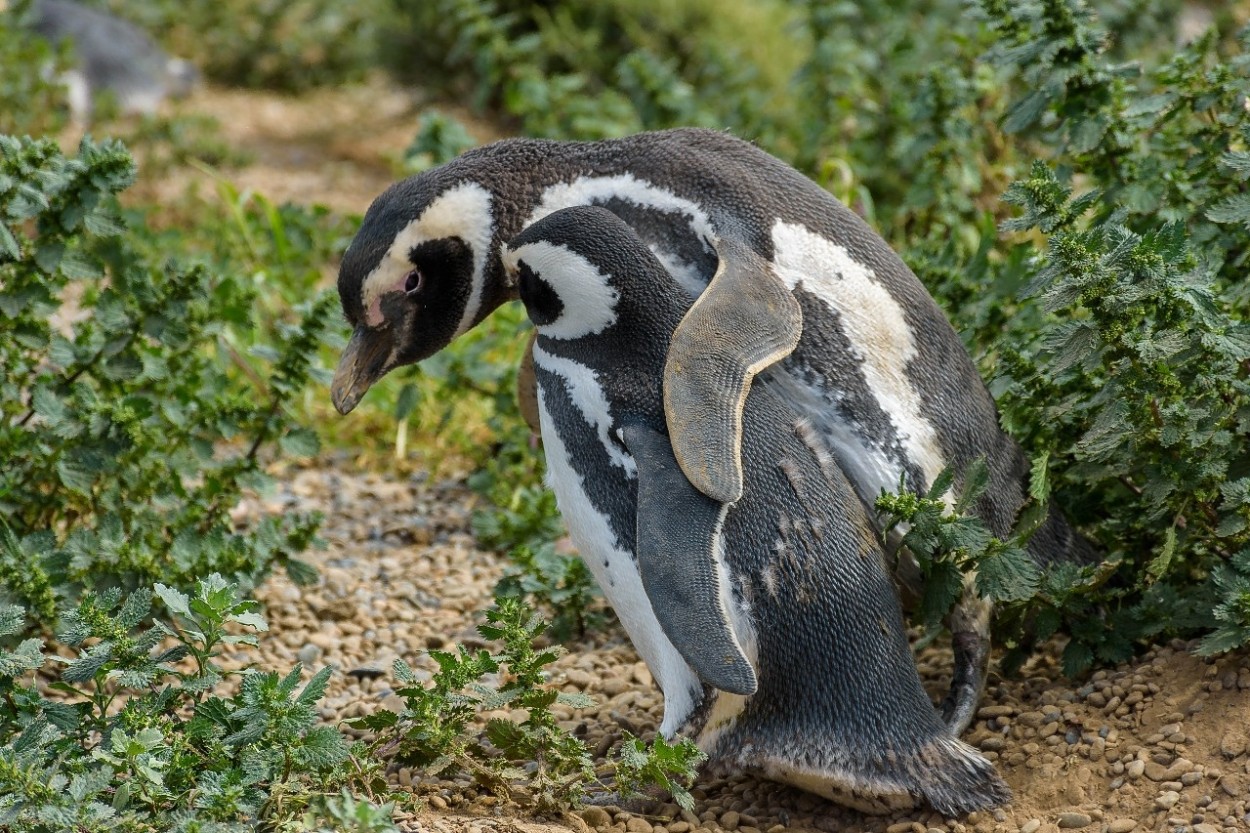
957 780
972 657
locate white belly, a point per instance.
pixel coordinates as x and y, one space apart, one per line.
617 574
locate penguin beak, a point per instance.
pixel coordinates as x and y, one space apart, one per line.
363 362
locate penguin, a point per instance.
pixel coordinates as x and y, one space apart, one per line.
877 370
110 54
770 618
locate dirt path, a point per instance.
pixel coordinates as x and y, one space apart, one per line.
1159 745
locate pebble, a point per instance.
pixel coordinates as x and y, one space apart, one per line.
1121 826
1072 821
1031 826
1135 769
597 817
1167 800
637 824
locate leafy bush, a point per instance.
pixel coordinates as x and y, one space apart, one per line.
134 738
1119 351
126 440
276 44
437 731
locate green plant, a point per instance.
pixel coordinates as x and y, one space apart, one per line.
560 584
440 731
433 732
133 737
127 440
669 766
440 138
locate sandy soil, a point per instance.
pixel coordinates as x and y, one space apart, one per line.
1156 745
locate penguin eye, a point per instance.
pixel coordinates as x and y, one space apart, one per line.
414 283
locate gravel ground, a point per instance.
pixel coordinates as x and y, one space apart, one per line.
1157 745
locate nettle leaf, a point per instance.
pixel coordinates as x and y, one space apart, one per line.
1008 575
943 586
300 442
316 687
175 601
1234 208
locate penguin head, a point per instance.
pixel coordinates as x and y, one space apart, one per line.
584 272
415 276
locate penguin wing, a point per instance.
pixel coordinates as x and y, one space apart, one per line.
679 531
744 321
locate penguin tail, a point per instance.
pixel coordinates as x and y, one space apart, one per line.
954 778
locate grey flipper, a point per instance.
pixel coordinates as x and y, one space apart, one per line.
678 531
744 321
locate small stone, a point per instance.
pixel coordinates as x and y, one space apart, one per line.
1191 778
597 817
637 824
438 802
899 827
578 677
729 821
1072 821
1121 826
1232 785
1167 800
1206 828
310 653
1135 769
1031 826
1232 745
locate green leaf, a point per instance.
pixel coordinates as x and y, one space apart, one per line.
175 601
1232 209
300 442
1163 560
1008 575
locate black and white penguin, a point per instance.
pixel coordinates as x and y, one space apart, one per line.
771 620
877 370
110 54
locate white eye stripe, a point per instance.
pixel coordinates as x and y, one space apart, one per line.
588 297
464 212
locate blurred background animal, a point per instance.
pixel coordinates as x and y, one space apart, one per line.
109 55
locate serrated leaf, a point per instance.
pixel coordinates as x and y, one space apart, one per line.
9 249
1234 208
1008 575
300 442
941 484
976 480
316 687
1160 563
175 600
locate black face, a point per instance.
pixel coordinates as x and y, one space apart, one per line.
436 291
541 301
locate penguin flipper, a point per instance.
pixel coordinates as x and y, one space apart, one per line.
678 534
746 320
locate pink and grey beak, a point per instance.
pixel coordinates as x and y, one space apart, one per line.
364 361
